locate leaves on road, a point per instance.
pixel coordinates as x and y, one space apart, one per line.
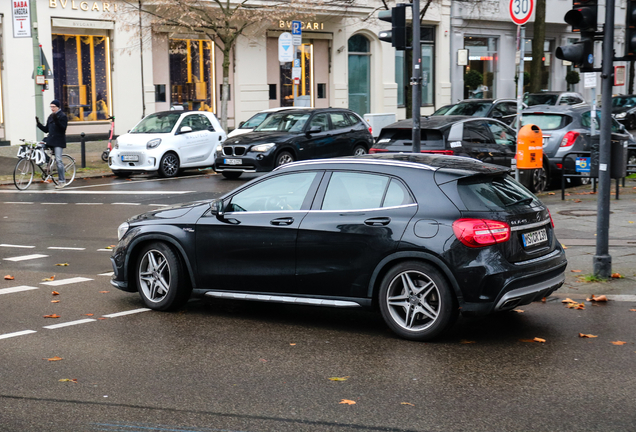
538 339
407 403
104 292
62 264
466 341
73 380
88 314
601 298
571 304
567 300
9 277
52 316
339 378
583 335
56 358
519 310
618 343
617 276
52 278
575 271
347 402
632 310
55 301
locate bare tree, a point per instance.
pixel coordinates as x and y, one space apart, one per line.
538 39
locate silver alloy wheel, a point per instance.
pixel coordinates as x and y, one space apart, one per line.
154 276
285 158
170 164
359 151
413 300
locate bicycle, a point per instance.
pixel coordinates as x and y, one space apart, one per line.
32 154
110 138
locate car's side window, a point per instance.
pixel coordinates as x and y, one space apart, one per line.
189 121
353 118
502 135
284 192
205 122
339 120
397 195
354 191
321 121
476 133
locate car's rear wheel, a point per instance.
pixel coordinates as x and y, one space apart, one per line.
631 158
284 158
359 150
231 175
416 301
160 278
631 123
169 165
122 174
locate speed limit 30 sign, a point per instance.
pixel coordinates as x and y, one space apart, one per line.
521 10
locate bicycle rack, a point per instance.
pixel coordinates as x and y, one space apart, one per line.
564 175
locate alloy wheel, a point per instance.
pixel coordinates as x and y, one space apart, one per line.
413 300
170 165
154 275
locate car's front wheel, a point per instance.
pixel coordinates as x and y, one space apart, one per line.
284 158
160 278
231 175
169 165
359 151
631 123
416 301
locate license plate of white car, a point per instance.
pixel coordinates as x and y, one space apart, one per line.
535 237
130 158
233 161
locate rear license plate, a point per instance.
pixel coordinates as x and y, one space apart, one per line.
233 161
535 237
130 158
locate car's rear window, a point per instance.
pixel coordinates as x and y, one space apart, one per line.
546 121
470 109
430 137
540 99
493 193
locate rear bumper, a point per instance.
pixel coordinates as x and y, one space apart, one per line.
526 295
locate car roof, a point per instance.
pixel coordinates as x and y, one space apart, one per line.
181 112
433 122
276 109
458 165
558 109
487 100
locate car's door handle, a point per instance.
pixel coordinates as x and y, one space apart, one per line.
379 221
282 221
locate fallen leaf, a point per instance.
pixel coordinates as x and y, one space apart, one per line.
339 378
579 306
56 358
577 201
567 300
406 403
51 316
62 264
104 292
464 341
102 318
110 247
551 193
55 293
55 301
526 340
292 344
347 401
537 339
9 277
617 276
600 298
582 335
564 247
69 380
630 221
543 300
632 310
263 360
618 343
575 271
88 314
49 279
519 310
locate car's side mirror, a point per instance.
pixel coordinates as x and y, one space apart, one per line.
622 128
185 129
241 124
216 208
314 129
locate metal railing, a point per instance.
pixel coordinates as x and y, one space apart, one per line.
578 175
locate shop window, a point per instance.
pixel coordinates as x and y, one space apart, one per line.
160 92
300 94
272 91
480 78
322 91
545 63
192 80
82 76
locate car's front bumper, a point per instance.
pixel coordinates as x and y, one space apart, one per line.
251 162
145 160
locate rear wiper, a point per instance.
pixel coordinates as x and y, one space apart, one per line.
521 201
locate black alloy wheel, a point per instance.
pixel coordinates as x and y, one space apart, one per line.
169 165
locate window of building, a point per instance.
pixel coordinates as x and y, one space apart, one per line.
300 94
272 91
192 79
82 76
546 61
480 80
359 74
160 92
404 67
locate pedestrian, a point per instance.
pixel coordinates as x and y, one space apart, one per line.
56 128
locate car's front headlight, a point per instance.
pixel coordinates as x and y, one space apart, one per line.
154 143
262 147
219 148
122 229
621 115
116 145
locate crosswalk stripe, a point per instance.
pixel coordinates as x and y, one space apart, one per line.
17 202
25 257
69 323
66 248
118 314
14 334
126 203
16 246
17 289
66 281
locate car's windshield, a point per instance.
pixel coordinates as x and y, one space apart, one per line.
546 121
443 110
283 122
157 123
254 121
624 102
540 99
470 109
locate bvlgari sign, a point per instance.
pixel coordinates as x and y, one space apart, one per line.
99 6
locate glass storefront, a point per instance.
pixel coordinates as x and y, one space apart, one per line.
404 66
359 74
545 63
82 76
300 94
480 80
192 79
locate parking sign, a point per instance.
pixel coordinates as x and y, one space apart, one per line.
297 33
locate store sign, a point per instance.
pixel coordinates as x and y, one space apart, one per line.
303 25
619 75
21 18
86 6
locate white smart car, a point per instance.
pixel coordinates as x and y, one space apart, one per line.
166 142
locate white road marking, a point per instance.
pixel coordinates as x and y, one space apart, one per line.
17 289
20 333
66 281
53 203
66 248
118 314
158 205
89 203
26 257
17 246
69 323
80 192
16 202
106 274
104 250
125 203
622 297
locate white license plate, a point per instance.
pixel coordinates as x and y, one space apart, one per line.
130 158
233 161
535 237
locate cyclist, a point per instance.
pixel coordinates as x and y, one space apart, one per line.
56 128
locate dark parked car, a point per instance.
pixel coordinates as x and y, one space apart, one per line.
442 110
289 136
419 237
501 109
553 98
624 110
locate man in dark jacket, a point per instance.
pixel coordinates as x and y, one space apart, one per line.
56 128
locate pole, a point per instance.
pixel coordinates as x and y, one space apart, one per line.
602 260
416 79
141 54
522 53
37 62
83 149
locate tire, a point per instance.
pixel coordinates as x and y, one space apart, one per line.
538 180
169 165
69 170
413 313
284 158
631 157
160 278
631 123
23 174
122 174
231 175
105 156
359 150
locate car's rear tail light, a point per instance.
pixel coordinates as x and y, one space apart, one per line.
569 139
370 130
559 166
551 220
481 232
377 150
444 152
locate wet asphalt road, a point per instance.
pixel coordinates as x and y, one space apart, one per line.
233 366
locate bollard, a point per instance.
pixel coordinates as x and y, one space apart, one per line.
83 146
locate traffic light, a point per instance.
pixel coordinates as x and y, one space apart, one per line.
630 29
583 19
397 35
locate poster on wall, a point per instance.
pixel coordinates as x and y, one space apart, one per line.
21 18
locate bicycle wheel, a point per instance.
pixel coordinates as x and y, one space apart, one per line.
23 174
69 169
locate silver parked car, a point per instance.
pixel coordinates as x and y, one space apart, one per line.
553 98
